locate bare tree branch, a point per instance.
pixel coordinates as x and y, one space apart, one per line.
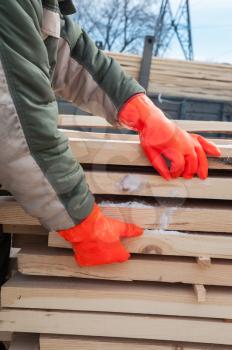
119 24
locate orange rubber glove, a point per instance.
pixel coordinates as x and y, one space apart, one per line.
96 240
161 138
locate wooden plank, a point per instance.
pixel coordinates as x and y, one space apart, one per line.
151 185
121 152
196 74
174 90
25 341
93 135
188 125
169 243
182 217
129 59
24 229
24 240
180 78
83 121
60 263
61 342
30 292
5 337
11 213
117 325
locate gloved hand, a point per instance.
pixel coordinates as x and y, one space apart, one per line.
96 240
161 138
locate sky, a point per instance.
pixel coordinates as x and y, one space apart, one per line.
211 31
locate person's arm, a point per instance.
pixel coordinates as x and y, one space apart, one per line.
36 163
87 77
96 83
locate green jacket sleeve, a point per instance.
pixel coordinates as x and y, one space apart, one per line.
89 78
36 163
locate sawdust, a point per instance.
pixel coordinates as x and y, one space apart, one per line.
129 204
150 233
130 183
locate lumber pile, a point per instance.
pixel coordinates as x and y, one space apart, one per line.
172 77
176 290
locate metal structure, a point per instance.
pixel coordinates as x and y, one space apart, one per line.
168 26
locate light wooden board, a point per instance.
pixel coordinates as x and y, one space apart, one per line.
183 65
204 76
182 78
25 341
79 134
5 337
59 342
11 213
182 87
188 125
169 243
57 262
152 185
29 292
24 229
122 152
182 217
140 184
179 63
117 325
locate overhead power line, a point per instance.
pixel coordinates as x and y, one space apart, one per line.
169 26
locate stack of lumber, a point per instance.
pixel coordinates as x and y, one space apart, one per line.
173 77
176 290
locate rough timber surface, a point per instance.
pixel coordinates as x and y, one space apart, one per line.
25 341
116 325
174 243
120 149
24 240
24 229
61 263
121 152
61 342
181 78
188 125
5 337
33 292
183 216
142 184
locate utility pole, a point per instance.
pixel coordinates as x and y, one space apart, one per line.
169 26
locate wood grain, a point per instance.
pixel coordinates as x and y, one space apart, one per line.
128 152
61 263
181 78
61 342
188 125
25 341
24 229
140 184
47 342
181 217
29 292
116 325
169 243
5 337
